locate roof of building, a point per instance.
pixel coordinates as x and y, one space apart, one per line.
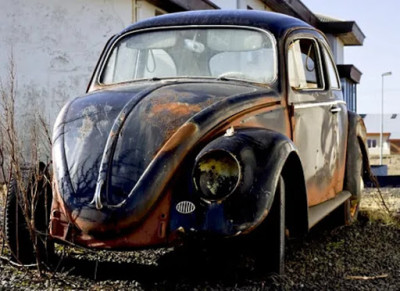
183 5
347 31
391 124
350 72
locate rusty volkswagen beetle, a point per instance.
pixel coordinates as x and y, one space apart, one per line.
207 124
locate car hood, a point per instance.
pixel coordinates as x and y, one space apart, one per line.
114 144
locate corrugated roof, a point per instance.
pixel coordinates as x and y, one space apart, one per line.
391 124
326 18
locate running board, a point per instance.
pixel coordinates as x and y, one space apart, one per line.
318 212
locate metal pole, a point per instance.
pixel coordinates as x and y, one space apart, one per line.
381 132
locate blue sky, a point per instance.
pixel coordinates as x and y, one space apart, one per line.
380 52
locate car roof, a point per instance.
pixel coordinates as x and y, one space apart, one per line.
276 23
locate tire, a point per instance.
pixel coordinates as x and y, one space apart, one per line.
16 229
16 232
270 236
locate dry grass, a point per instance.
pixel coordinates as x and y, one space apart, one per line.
20 160
371 203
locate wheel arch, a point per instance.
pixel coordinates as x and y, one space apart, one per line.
276 156
357 151
270 155
295 196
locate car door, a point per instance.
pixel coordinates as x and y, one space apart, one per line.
318 113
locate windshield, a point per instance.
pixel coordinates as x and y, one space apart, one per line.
224 53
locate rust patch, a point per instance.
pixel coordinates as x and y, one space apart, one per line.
152 231
176 108
318 194
185 132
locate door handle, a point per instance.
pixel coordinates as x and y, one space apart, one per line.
335 109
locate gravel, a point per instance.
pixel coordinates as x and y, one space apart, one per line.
363 256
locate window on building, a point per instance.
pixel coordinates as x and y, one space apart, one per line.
371 143
304 65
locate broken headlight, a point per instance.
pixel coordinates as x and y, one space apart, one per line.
216 174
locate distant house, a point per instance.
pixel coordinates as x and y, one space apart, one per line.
391 133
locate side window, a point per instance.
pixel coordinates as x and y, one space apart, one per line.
331 68
304 65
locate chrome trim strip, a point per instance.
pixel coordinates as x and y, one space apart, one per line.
309 105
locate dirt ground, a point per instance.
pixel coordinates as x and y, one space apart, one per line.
363 256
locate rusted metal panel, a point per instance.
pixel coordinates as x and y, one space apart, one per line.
157 172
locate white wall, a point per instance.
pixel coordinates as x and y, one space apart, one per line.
241 4
226 4
375 151
55 45
337 48
145 10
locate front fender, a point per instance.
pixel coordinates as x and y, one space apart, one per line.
261 154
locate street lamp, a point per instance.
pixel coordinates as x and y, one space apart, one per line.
381 133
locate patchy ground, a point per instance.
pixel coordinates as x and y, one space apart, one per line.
364 256
372 201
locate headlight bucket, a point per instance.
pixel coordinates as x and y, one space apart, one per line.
217 174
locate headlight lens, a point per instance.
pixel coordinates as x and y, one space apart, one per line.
216 174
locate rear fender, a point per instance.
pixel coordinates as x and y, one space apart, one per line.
357 152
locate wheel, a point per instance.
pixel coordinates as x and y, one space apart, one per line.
16 232
270 236
16 229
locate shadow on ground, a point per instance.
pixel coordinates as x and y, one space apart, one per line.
182 266
225 265
328 258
